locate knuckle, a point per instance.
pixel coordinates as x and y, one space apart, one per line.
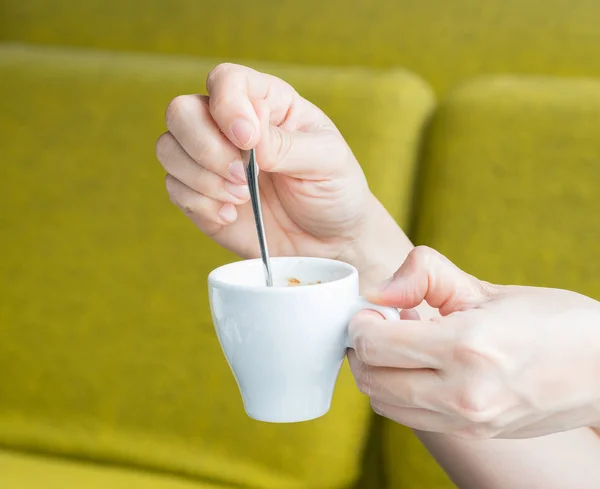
176 106
279 148
378 408
170 185
413 398
472 405
471 348
364 379
219 72
190 204
173 191
364 347
423 254
223 101
165 145
466 352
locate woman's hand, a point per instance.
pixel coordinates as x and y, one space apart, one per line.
502 361
316 201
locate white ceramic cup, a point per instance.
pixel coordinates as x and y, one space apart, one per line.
286 344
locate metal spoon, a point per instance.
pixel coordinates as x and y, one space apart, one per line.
252 176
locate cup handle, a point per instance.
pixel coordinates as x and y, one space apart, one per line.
389 313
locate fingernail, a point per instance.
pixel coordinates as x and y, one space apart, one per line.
239 191
228 213
237 172
367 314
242 130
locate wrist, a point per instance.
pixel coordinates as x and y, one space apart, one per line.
380 248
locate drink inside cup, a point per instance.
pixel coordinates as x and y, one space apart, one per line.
288 272
294 282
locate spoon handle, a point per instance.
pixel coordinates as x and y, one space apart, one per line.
252 177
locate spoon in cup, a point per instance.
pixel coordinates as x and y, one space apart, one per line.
251 168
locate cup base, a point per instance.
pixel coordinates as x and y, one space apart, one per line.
282 418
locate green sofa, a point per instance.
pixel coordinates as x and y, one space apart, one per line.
477 124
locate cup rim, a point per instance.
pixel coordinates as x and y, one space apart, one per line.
214 281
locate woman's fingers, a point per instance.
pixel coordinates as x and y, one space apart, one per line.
427 275
191 124
221 221
410 314
416 388
291 135
208 214
401 344
417 419
181 166
206 177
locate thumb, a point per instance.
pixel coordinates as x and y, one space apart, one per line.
427 275
256 110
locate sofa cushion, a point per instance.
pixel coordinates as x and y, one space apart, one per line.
509 192
108 351
28 471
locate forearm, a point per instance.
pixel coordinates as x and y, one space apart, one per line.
558 461
563 460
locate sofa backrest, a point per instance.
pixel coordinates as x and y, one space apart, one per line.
446 42
509 182
107 348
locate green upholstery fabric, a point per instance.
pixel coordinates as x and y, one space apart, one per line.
406 462
446 42
509 192
509 185
24 471
108 351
